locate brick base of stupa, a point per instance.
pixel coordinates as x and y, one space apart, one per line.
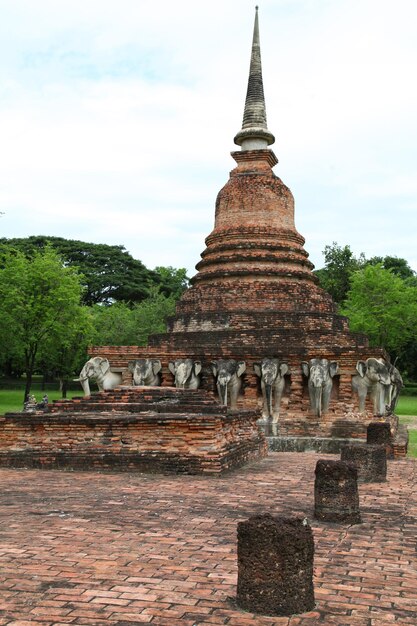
147 429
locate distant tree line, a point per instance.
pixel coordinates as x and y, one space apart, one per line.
57 296
379 296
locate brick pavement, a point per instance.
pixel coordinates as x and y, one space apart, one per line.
128 549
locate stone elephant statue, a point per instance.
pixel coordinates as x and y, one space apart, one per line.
228 380
98 368
320 373
271 372
393 391
373 377
186 373
145 372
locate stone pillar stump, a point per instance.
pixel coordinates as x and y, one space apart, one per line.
336 497
380 433
370 461
275 565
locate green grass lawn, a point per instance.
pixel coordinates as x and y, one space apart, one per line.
407 405
412 443
12 401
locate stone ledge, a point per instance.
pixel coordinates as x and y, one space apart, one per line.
325 445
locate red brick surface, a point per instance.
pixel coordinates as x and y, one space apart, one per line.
126 549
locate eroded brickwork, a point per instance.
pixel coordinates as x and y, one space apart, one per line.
146 429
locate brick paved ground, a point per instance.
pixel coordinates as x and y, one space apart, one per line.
125 549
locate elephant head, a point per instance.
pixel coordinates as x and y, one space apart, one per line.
186 373
373 377
98 368
271 372
320 373
228 379
145 372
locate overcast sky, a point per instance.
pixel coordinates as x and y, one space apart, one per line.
117 119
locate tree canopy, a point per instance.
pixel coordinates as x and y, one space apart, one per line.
109 273
380 304
379 296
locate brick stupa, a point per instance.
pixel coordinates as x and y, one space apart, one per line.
255 295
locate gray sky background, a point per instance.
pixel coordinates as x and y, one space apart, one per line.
117 119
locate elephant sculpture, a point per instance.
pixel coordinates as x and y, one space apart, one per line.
393 391
228 380
186 373
271 372
98 368
320 373
373 377
145 372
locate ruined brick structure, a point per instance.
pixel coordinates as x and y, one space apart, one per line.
255 294
150 429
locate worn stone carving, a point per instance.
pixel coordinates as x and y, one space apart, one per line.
271 372
98 369
393 391
320 373
373 377
228 380
186 373
145 372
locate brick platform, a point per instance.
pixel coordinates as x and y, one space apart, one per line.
127 549
148 429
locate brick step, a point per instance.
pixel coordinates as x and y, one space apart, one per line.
140 407
141 399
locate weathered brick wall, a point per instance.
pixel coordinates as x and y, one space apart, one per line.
109 431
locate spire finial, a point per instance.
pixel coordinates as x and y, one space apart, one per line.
255 134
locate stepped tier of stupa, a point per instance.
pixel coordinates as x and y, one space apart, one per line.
255 294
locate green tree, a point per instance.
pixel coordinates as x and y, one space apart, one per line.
39 306
110 273
123 325
400 267
383 306
172 282
340 263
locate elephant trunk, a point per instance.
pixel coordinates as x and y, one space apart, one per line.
181 376
84 380
85 384
315 399
268 396
223 393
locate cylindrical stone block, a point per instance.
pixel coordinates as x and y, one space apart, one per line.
370 461
380 433
275 565
336 497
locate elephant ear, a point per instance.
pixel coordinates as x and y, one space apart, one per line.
131 366
156 366
214 368
197 367
361 368
305 368
240 368
284 369
333 368
257 368
171 367
104 366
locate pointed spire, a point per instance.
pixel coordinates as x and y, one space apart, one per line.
255 134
